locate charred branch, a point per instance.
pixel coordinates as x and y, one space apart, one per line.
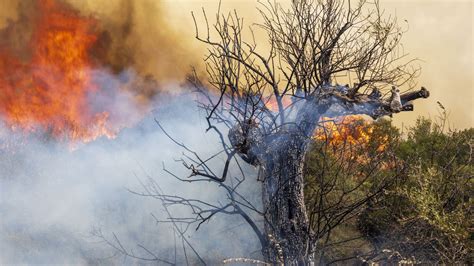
374 107
410 96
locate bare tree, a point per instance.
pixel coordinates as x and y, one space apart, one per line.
266 105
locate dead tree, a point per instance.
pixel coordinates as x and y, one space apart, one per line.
265 104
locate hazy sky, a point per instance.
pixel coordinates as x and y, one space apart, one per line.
440 35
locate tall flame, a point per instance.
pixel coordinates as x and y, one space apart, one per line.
52 91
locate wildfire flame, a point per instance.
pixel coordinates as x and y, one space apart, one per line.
52 91
353 130
348 131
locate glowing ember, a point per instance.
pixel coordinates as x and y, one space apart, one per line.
51 93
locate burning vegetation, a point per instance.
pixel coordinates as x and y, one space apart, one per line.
348 131
51 91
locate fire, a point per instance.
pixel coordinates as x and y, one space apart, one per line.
51 92
351 130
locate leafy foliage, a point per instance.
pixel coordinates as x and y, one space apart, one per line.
424 214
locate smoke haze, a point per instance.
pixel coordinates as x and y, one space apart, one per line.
52 198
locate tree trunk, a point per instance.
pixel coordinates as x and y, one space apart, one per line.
286 222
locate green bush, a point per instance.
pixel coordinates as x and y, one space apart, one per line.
412 202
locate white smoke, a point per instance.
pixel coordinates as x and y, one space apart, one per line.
51 198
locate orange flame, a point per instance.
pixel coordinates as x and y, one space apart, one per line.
352 129
51 92
349 130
